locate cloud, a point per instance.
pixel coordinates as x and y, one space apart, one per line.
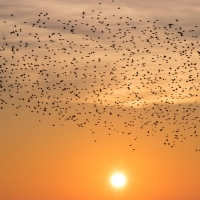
94 37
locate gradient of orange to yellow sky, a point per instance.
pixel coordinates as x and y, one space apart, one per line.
89 89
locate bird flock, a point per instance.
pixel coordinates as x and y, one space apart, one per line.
104 71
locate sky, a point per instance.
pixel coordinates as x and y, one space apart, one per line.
93 88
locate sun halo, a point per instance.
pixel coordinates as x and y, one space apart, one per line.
118 180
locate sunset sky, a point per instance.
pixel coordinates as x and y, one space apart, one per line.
89 89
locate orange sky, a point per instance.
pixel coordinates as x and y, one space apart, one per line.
41 162
78 109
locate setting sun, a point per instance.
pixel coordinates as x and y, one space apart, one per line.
118 180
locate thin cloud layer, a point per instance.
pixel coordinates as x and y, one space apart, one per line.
106 56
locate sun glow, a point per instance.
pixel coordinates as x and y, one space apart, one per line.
118 180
